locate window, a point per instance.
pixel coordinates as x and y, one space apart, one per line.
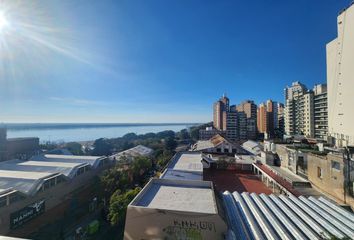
319 172
335 165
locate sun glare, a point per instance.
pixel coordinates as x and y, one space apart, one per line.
3 21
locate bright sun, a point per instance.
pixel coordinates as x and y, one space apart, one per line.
3 21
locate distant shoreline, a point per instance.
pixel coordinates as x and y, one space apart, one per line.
88 131
38 126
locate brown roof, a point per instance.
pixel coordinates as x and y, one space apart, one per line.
218 139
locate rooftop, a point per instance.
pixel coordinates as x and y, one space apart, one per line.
253 216
138 150
185 165
177 195
27 176
252 147
287 174
241 181
211 143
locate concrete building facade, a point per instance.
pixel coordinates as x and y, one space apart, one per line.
340 75
250 109
327 173
262 118
279 128
19 148
30 190
268 119
209 132
299 110
320 111
220 110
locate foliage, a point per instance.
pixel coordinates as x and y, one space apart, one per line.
102 146
183 135
118 205
170 144
48 145
140 165
75 148
113 179
163 158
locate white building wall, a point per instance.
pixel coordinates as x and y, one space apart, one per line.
340 80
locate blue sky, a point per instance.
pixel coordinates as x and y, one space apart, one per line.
156 60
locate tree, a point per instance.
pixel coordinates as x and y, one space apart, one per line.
113 179
166 134
118 205
140 165
75 148
102 146
183 135
164 158
194 131
170 144
130 136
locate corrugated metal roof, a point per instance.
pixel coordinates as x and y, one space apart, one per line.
253 216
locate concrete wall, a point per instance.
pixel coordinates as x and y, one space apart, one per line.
340 75
331 181
147 223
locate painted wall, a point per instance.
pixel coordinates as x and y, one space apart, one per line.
146 223
340 80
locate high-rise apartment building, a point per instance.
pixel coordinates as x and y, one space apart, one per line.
250 109
237 122
232 125
262 118
279 128
221 108
320 111
340 80
299 111
267 118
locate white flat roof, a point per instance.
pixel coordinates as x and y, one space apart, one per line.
185 165
188 196
187 161
172 174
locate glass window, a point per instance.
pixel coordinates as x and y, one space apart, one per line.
335 165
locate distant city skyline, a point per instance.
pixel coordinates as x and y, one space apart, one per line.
155 61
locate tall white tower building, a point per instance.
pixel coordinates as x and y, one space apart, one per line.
340 80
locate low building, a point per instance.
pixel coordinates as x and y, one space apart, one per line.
175 209
217 144
209 132
31 188
328 174
129 154
185 166
252 147
253 216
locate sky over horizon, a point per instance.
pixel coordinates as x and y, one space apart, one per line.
155 61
